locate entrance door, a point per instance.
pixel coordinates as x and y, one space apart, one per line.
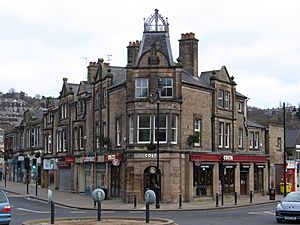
244 182
152 180
115 181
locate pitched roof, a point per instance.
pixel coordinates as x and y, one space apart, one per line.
194 80
119 75
292 136
254 124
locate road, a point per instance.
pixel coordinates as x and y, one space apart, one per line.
27 209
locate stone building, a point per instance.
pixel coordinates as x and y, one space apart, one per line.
154 124
275 149
24 147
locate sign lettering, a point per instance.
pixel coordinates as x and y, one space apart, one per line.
227 157
150 155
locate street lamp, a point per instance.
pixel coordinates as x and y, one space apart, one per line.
284 153
158 90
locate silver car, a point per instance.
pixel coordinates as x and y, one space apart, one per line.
289 208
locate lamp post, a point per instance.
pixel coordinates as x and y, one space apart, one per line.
157 205
284 153
222 179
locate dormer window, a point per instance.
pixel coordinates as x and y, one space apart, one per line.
141 87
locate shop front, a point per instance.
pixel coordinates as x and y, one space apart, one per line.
291 174
244 178
227 174
89 167
203 179
113 164
66 173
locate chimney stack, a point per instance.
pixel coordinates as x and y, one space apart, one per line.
188 52
132 52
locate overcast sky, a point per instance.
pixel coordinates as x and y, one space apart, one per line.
258 41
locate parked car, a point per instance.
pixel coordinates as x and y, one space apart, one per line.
5 208
288 209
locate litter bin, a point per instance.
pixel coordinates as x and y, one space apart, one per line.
272 194
288 187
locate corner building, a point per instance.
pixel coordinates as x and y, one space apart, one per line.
106 127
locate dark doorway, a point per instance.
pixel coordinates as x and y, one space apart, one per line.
152 180
244 182
115 181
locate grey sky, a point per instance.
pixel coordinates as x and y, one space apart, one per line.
43 41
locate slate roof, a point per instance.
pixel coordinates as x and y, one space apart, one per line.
162 41
206 75
194 80
119 75
292 136
74 87
254 124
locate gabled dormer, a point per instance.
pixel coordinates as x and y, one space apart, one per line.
68 89
222 75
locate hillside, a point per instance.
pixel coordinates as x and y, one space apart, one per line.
13 105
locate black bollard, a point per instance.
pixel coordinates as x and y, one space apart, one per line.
52 212
36 188
235 198
134 201
222 199
27 186
180 201
147 213
217 200
250 196
99 210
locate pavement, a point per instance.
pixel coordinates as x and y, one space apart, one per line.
82 201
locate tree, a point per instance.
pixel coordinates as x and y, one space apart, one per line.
11 91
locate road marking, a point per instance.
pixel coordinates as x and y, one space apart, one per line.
261 213
268 212
33 211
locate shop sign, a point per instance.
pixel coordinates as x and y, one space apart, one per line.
20 158
197 162
62 164
89 159
205 166
228 166
150 155
291 164
69 159
246 166
297 148
228 157
49 164
111 157
116 162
